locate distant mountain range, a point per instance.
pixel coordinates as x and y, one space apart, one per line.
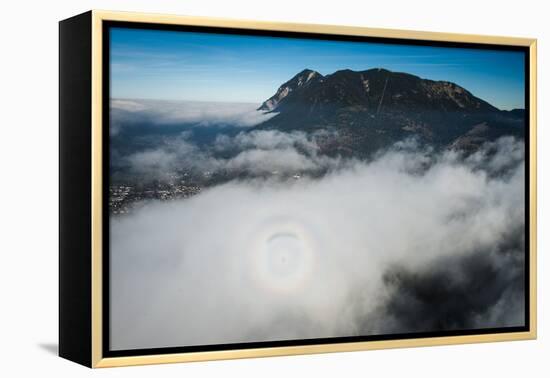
374 108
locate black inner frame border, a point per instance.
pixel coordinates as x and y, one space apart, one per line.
106 80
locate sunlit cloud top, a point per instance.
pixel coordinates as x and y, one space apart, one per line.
173 65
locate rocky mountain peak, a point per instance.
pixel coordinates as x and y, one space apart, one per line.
301 80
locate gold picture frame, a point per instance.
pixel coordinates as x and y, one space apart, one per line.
91 328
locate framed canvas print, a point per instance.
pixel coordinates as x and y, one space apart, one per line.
236 189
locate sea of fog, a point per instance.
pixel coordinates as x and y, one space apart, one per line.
412 240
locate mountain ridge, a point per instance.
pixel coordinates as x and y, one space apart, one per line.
362 88
373 108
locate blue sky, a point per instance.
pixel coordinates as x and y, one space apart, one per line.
172 65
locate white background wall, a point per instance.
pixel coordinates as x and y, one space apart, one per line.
28 237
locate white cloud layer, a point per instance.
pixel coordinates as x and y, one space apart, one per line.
255 152
125 113
261 260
